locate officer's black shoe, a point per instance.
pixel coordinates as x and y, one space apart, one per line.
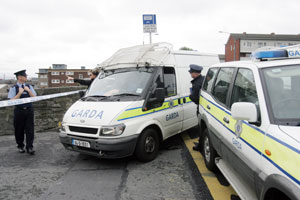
196 147
21 149
31 151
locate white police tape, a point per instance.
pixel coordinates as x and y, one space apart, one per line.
14 102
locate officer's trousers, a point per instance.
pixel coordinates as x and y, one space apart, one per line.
24 124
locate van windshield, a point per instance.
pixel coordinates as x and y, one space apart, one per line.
126 82
283 89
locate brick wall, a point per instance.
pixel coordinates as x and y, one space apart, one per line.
229 50
47 112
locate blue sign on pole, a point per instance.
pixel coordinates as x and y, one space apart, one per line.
149 23
149 19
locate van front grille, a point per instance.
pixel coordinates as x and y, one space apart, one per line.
83 130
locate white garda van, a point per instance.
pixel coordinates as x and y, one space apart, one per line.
139 99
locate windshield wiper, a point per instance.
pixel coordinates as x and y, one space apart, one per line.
93 96
291 123
126 94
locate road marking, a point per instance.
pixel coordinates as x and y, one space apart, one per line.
218 191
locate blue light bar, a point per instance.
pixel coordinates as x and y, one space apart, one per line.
270 54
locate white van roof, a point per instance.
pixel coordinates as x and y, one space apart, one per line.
158 54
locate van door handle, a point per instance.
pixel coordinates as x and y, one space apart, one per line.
226 120
208 107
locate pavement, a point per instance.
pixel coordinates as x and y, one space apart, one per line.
57 173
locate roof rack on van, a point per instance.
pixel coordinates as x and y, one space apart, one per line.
268 53
141 55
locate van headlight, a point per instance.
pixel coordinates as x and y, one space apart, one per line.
62 127
113 130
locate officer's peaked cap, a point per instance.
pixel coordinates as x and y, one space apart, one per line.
195 68
21 73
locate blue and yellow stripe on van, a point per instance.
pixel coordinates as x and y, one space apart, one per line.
138 112
284 157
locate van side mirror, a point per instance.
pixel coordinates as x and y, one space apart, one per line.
156 99
244 111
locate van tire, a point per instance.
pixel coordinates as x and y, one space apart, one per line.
209 153
147 147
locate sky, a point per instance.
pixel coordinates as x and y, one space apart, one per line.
38 33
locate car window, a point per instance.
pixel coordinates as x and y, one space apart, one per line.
169 82
244 89
222 84
209 79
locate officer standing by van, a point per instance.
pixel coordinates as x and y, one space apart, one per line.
24 113
195 71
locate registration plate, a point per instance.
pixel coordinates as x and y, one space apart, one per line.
81 143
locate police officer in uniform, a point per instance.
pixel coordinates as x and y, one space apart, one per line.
195 71
23 114
92 74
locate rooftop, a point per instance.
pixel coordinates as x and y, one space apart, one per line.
272 36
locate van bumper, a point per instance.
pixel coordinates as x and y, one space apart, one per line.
102 148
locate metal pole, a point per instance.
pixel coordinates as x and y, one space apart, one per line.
150 36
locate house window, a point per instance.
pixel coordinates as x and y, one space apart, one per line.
43 76
55 81
80 76
43 83
69 81
69 73
54 73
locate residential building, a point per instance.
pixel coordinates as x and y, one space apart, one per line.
56 76
43 78
240 46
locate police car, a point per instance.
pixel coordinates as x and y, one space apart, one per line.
138 100
250 123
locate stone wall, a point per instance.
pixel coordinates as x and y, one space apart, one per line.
47 113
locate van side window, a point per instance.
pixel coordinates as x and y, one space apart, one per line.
244 89
170 82
209 79
222 84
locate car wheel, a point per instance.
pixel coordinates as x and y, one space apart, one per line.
209 152
147 146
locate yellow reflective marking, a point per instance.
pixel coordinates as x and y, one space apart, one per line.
217 190
283 156
139 112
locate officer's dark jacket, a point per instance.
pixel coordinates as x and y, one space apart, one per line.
25 94
197 84
83 82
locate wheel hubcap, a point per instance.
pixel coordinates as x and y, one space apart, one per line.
149 144
206 149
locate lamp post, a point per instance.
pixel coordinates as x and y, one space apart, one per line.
234 41
150 35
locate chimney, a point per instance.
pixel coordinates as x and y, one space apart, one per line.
244 33
82 67
272 33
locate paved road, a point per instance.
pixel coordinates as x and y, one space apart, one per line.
55 173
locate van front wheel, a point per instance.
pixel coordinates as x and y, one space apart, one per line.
147 146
